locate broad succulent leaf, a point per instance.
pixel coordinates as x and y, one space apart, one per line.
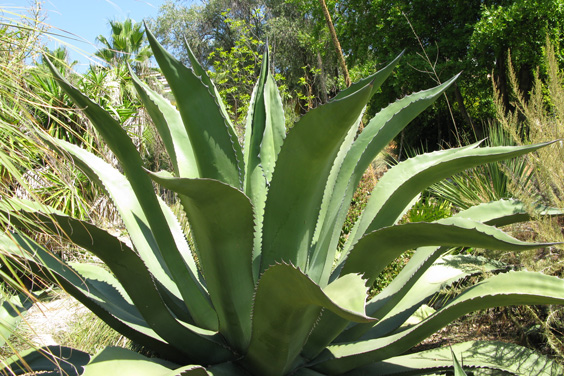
70 361
475 355
397 189
169 124
117 360
173 260
222 230
264 135
298 183
216 148
11 311
377 249
500 290
387 124
281 325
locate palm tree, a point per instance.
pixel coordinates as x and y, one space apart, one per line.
125 45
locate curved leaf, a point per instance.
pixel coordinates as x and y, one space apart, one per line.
203 75
167 263
50 359
136 281
376 135
118 361
221 221
512 288
101 297
216 148
264 134
11 311
376 250
443 273
169 124
397 188
281 325
502 356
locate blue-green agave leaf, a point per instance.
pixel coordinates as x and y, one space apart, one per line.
264 135
495 213
443 273
387 124
221 221
124 362
100 296
139 285
507 211
49 360
475 355
11 310
377 249
402 183
143 200
512 288
302 169
176 261
203 75
281 325
214 143
169 124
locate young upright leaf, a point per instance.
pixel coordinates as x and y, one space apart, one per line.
264 135
215 145
298 183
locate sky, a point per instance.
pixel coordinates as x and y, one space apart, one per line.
86 19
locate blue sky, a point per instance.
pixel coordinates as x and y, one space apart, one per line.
87 19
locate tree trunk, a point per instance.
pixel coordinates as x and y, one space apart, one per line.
478 132
501 80
322 83
336 42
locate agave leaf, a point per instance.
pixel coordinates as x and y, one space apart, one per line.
124 362
444 272
376 250
169 124
264 135
348 292
203 75
397 188
302 169
510 288
265 128
493 213
375 136
458 371
282 325
136 281
138 198
475 355
507 211
100 297
175 262
221 220
49 360
215 145
11 310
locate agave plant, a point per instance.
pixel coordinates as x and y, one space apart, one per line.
259 287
